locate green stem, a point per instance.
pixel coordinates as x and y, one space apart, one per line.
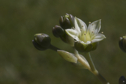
89 59
104 81
100 77
53 48
90 66
94 70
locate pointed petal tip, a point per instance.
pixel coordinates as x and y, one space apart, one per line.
82 24
95 26
71 32
103 35
98 38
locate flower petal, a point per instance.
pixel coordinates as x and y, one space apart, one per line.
88 42
95 26
73 33
76 25
82 25
98 37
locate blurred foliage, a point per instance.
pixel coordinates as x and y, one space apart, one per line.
21 63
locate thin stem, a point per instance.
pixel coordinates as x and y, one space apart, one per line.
94 70
104 81
54 48
88 66
100 77
89 59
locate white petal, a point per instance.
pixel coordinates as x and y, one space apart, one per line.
73 33
95 26
88 42
67 56
98 37
82 25
76 25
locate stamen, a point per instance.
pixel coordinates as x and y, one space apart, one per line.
89 22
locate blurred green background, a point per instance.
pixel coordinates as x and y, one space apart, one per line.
21 63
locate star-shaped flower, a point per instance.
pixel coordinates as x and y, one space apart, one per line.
86 36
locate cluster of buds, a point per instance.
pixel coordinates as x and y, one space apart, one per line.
66 22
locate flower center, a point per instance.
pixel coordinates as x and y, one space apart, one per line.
85 37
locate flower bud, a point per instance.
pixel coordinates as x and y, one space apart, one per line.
122 80
85 47
41 41
57 31
67 21
122 43
67 39
67 56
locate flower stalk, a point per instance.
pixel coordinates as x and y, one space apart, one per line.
90 66
52 47
89 59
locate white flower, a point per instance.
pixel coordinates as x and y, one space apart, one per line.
86 35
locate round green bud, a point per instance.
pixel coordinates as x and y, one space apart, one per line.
85 47
41 41
122 43
37 46
66 21
57 31
122 80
